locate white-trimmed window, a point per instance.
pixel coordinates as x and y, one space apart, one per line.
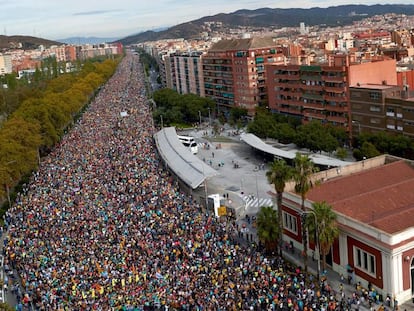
364 261
290 223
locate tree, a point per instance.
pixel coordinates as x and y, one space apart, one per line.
278 175
368 150
341 153
326 227
304 169
267 230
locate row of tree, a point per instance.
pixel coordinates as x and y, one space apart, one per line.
317 137
314 135
40 120
173 108
370 145
270 222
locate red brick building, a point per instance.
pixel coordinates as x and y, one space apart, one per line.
321 91
374 203
234 71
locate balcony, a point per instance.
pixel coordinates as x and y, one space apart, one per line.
334 79
337 119
311 87
287 77
336 99
334 89
291 103
289 110
336 108
312 96
314 115
289 93
313 106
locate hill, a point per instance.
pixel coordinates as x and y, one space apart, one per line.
24 42
86 40
266 17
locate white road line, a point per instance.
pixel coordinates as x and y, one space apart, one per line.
254 202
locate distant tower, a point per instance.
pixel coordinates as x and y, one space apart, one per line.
302 28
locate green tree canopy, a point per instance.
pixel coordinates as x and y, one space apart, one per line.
267 227
278 174
326 227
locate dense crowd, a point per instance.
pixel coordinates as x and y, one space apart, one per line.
102 226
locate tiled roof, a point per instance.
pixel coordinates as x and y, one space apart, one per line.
382 197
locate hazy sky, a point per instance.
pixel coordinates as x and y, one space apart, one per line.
58 19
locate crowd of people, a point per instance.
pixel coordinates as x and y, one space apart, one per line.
103 226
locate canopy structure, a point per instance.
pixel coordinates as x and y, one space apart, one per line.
188 167
318 159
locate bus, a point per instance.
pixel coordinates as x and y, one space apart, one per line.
189 142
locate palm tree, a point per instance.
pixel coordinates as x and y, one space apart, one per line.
326 228
267 231
278 175
304 169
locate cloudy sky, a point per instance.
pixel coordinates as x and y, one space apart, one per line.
58 19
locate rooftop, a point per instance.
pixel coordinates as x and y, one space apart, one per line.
244 44
381 197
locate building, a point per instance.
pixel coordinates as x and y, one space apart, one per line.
374 204
5 64
186 73
234 72
321 91
380 107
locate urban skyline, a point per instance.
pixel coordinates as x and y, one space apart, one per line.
58 20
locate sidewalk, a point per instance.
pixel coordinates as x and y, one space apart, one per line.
332 277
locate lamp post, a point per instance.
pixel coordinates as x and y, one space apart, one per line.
209 117
199 114
316 240
162 121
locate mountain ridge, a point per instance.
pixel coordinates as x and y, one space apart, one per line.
24 42
331 16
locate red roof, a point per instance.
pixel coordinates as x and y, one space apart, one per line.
382 197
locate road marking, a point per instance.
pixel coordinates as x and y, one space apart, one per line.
254 202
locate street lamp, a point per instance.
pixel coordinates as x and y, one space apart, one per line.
162 121
199 114
316 239
209 117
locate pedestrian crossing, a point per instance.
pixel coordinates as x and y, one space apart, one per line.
253 202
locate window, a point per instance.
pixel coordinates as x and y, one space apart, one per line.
375 108
375 121
374 95
290 222
364 261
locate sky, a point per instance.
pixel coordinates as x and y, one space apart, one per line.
59 19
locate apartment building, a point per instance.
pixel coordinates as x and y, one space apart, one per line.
402 37
378 108
321 91
5 64
234 72
186 73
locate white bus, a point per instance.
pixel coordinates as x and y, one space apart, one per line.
189 142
